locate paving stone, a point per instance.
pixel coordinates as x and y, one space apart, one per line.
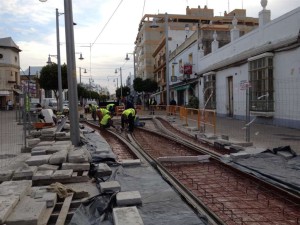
62 174
33 142
36 133
6 175
128 198
78 156
41 152
45 143
42 175
69 143
46 138
239 155
110 186
40 148
236 148
103 170
127 216
27 212
48 131
48 167
60 134
58 157
285 154
50 198
38 160
7 203
19 188
24 173
76 166
57 148
131 162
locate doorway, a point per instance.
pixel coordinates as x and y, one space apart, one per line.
230 96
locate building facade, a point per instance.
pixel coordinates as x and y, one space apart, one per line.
198 22
255 75
10 84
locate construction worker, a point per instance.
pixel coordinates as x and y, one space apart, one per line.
101 112
106 121
111 107
93 109
127 117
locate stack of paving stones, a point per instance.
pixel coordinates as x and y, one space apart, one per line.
52 161
126 211
20 203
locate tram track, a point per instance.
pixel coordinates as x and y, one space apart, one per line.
222 193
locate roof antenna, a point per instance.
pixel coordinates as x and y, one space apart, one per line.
228 6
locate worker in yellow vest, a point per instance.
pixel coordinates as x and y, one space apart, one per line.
111 107
93 109
100 112
106 121
127 117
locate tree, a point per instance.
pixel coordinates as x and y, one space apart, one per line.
49 78
125 92
147 85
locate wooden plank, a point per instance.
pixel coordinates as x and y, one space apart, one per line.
64 211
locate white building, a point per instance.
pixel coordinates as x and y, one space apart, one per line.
261 67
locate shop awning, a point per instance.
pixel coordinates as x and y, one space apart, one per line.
4 93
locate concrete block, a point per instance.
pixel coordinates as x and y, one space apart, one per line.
24 173
58 157
57 148
7 203
76 166
285 154
128 198
78 156
239 155
50 198
33 142
27 212
48 131
44 138
62 174
68 143
225 137
110 186
41 152
38 160
210 136
19 188
103 170
40 148
45 143
42 175
48 167
236 148
130 162
6 175
60 134
127 216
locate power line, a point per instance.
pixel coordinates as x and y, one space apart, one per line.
107 23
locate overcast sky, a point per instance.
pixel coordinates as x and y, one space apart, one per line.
110 26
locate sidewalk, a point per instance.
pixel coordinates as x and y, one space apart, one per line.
262 136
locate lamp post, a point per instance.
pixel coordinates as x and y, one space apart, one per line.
154 25
80 73
71 71
116 71
127 58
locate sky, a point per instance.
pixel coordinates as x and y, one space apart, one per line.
105 30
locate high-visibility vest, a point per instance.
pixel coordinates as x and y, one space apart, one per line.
110 105
129 111
93 107
104 111
105 119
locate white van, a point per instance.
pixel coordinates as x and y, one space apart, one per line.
49 103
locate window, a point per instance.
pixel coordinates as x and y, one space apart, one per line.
1 56
209 90
191 58
261 80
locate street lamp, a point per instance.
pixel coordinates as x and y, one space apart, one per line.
71 71
116 71
154 25
80 73
127 58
